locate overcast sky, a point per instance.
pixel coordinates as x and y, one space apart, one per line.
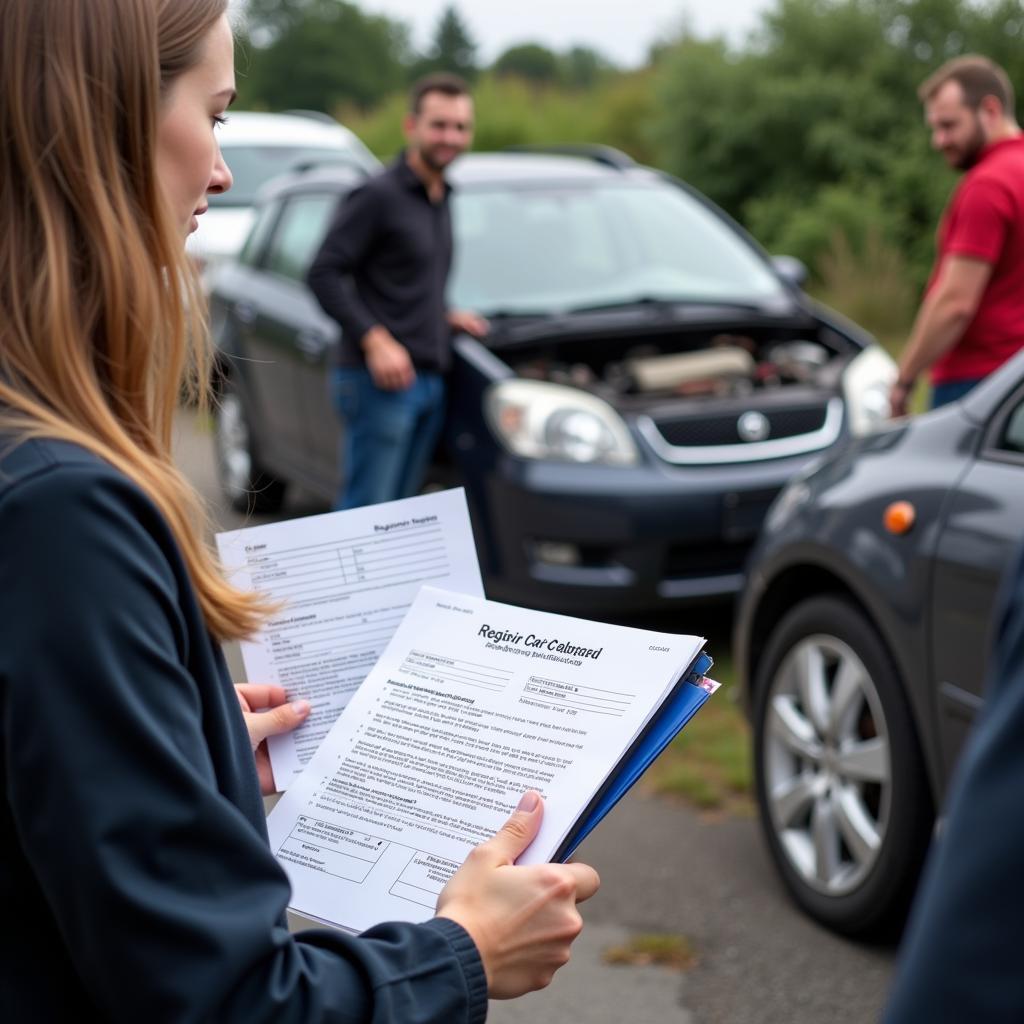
622 31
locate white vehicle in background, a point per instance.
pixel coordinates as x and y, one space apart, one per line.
258 147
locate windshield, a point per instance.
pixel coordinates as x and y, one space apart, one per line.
551 250
252 166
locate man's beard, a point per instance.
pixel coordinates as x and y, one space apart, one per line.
430 159
967 157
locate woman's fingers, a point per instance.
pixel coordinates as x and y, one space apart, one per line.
516 834
587 880
522 919
283 718
261 695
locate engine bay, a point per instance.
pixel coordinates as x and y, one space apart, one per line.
637 372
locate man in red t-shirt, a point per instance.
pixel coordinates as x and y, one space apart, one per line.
972 317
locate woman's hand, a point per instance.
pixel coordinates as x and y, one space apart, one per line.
267 712
522 919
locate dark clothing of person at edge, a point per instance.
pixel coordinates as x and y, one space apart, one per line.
133 829
135 873
960 961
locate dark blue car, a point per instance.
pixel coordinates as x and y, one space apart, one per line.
862 641
651 380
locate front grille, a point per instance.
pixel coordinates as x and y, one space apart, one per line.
707 430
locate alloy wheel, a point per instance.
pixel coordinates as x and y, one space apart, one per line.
827 764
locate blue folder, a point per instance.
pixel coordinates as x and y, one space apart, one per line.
677 709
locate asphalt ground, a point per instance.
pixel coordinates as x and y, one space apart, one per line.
669 870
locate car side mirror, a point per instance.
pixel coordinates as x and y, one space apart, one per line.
791 270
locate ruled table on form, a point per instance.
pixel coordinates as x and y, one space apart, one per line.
344 582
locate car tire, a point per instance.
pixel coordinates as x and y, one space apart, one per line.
247 486
842 792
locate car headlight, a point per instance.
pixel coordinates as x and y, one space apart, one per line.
537 420
866 384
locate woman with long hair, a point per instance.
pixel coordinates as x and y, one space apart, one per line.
137 882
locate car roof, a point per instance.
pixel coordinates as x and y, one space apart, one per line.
517 169
525 167
245 127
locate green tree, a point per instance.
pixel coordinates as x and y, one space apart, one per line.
452 48
264 20
530 61
582 67
321 54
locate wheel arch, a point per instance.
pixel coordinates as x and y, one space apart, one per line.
783 592
250 485
800 581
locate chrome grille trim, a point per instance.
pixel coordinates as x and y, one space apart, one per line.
755 451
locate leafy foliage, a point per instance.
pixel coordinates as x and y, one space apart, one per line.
452 48
529 61
583 67
315 54
814 133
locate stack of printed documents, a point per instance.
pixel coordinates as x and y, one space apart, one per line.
434 709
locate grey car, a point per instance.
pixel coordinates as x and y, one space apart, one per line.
862 640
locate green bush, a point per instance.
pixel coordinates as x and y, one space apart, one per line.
870 284
512 111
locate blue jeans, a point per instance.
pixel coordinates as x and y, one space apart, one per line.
389 435
951 391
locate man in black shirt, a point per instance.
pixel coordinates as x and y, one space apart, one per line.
381 273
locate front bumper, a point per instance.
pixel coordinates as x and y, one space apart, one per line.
603 539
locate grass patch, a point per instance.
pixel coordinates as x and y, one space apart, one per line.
709 764
675 951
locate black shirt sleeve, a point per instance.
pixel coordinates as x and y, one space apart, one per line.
165 896
344 250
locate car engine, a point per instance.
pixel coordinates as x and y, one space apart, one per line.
732 366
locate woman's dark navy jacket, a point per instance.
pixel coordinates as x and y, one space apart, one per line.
136 882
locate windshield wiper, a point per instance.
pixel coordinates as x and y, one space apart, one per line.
497 315
655 302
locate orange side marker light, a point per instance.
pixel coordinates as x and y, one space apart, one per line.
899 517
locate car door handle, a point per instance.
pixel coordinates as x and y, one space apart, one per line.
245 312
311 343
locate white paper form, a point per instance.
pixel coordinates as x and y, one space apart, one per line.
472 703
346 580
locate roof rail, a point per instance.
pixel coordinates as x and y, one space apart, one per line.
607 155
305 164
312 115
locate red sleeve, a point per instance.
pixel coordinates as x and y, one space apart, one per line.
983 217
